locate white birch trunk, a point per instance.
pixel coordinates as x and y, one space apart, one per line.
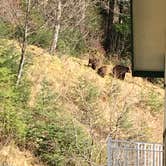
24 42
56 28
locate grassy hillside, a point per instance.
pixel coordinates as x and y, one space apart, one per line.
63 112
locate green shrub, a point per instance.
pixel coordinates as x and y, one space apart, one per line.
17 97
8 70
124 121
154 101
151 100
6 29
52 134
41 38
57 141
12 125
18 32
85 96
71 42
85 92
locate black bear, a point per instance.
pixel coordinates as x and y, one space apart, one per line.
102 71
95 61
119 71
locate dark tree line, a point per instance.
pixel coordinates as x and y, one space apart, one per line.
116 18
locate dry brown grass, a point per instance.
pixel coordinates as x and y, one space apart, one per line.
11 156
65 73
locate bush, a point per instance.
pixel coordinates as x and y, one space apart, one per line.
154 102
41 38
52 134
8 70
6 29
12 125
71 42
58 141
85 95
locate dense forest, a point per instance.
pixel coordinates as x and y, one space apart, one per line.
68 26
55 109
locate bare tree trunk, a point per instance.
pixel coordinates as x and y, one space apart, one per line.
56 28
109 26
24 42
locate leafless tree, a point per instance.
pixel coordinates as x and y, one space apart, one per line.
56 27
62 15
24 42
10 11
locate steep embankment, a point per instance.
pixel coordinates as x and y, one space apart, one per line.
73 110
128 109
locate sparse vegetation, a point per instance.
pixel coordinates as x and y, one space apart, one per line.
66 128
152 100
61 110
155 102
